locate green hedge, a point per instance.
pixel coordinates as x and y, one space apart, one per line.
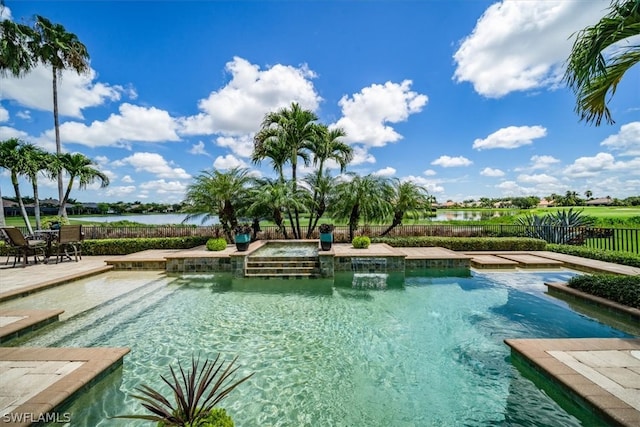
466 243
129 246
621 289
623 258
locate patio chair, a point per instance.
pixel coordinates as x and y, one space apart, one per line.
21 247
70 238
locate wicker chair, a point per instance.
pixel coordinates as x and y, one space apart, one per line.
21 247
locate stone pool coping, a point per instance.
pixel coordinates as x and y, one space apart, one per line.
57 374
601 373
14 323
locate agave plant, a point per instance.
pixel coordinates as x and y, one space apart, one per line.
561 227
195 392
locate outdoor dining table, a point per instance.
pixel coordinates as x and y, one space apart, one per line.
48 236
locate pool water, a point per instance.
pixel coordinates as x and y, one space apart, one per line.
428 353
289 249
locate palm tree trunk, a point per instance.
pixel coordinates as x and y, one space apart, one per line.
294 177
36 209
312 223
67 193
23 210
2 220
56 124
397 220
353 221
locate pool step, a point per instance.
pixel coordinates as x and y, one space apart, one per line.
284 267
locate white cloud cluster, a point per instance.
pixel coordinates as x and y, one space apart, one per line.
366 114
451 162
152 163
491 172
522 45
385 172
240 106
241 146
75 91
133 124
198 149
432 186
627 141
4 114
228 162
510 137
543 162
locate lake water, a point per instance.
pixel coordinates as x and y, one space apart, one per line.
177 218
151 219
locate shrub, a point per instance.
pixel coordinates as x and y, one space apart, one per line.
621 289
218 244
195 392
623 258
50 221
467 243
361 242
129 246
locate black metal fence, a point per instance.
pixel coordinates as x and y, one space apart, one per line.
613 239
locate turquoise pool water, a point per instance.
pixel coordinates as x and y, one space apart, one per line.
427 353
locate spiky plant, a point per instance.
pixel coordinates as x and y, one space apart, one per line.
561 227
196 393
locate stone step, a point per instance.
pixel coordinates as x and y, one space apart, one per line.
284 276
281 258
279 264
276 271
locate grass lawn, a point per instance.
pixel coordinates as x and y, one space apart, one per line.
619 212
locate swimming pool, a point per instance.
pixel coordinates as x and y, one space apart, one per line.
428 353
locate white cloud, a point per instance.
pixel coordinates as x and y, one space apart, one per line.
388 171
24 114
75 92
132 124
522 45
432 186
4 114
537 179
451 162
491 172
153 163
510 137
429 172
627 141
198 149
7 132
366 114
240 106
127 179
511 188
161 186
241 146
361 155
228 162
120 191
543 162
590 166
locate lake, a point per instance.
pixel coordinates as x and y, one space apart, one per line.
177 218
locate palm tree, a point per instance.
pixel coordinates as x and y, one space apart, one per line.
15 57
408 198
361 198
221 194
322 187
588 194
593 76
270 198
286 135
12 160
326 146
36 160
81 167
53 45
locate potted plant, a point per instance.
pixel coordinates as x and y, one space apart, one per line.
242 237
326 236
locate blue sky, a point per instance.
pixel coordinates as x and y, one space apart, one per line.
464 97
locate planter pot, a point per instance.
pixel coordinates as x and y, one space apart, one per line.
326 239
242 242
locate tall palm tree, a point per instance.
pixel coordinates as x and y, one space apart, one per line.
287 134
408 198
12 160
221 194
326 146
593 74
80 167
15 57
36 161
272 198
53 45
588 194
361 198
